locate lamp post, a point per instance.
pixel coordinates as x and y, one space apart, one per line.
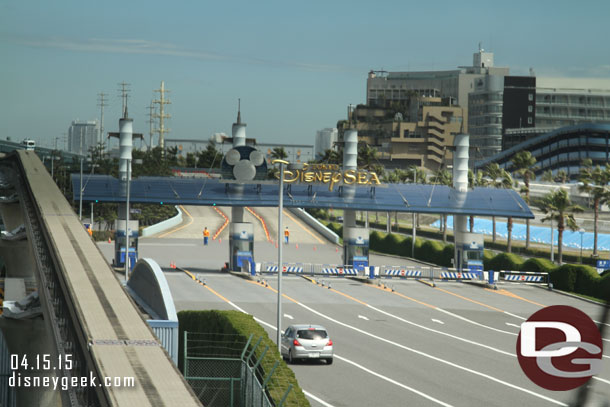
279 253
582 232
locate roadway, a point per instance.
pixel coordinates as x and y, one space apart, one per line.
453 345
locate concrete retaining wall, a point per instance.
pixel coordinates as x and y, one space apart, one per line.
163 226
315 224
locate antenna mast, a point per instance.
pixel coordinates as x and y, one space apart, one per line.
162 101
102 103
124 95
151 121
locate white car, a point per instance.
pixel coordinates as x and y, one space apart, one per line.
306 342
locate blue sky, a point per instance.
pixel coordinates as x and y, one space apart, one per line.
295 65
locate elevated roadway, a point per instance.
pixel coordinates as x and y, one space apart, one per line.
85 308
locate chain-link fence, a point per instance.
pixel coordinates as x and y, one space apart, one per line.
224 371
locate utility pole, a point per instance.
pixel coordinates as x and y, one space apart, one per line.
124 95
162 101
101 103
151 122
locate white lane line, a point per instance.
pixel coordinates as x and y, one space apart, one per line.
311 396
446 362
438 321
394 382
288 316
515 325
516 316
363 317
169 244
475 323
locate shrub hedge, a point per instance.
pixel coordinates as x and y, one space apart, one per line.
242 325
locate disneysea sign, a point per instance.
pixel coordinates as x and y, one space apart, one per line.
330 174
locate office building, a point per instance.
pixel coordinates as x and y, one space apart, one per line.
85 132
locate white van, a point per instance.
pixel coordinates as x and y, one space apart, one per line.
28 144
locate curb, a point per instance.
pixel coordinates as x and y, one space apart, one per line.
241 274
568 294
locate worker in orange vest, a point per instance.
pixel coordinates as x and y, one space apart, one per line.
286 235
206 236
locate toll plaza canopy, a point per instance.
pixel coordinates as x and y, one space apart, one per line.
418 198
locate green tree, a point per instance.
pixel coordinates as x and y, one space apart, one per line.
547 176
209 158
330 156
443 177
497 177
366 156
558 207
474 180
562 177
278 153
523 163
594 182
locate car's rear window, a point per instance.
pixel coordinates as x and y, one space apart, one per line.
312 334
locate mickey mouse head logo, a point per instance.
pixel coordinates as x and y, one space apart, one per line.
244 163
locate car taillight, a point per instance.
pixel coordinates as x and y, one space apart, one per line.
296 343
330 343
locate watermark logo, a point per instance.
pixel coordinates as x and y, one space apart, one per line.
559 348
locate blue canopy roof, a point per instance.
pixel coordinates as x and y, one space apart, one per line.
417 198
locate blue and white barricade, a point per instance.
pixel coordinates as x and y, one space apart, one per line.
285 269
491 276
373 272
402 273
340 271
456 275
525 277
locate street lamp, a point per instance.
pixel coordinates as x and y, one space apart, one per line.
582 232
279 246
80 201
127 220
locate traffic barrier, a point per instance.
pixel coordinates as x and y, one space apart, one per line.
403 273
456 275
285 269
340 271
527 277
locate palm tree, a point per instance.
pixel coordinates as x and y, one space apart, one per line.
523 163
366 156
562 176
547 176
330 156
443 177
278 153
499 178
558 207
594 182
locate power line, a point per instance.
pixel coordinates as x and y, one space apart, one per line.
151 121
102 103
162 101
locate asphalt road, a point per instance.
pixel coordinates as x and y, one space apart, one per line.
400 344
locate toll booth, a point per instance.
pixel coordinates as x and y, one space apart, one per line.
356 247
241 245
120 241
470 252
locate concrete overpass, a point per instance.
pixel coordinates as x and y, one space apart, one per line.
76 308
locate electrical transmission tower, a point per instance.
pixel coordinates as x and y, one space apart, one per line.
124 96
102 103
162 101
151 121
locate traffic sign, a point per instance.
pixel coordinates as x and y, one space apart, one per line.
603 265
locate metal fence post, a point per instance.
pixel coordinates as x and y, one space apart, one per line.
185 354
285 396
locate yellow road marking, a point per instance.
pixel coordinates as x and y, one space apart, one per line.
272 289
303 227
188 273
179 227
512 295
405 296
471 300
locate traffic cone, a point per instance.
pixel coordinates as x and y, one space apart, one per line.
314 248
109 240
336 249
297 245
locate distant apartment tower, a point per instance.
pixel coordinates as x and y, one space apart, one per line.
417 132
385 88
496 104
87 131
326 139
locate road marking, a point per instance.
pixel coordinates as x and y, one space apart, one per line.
180 227
363 317
469 299
288 316
311 396
515 325
394 382
168 244
438 321
507 293
303 227
491 378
